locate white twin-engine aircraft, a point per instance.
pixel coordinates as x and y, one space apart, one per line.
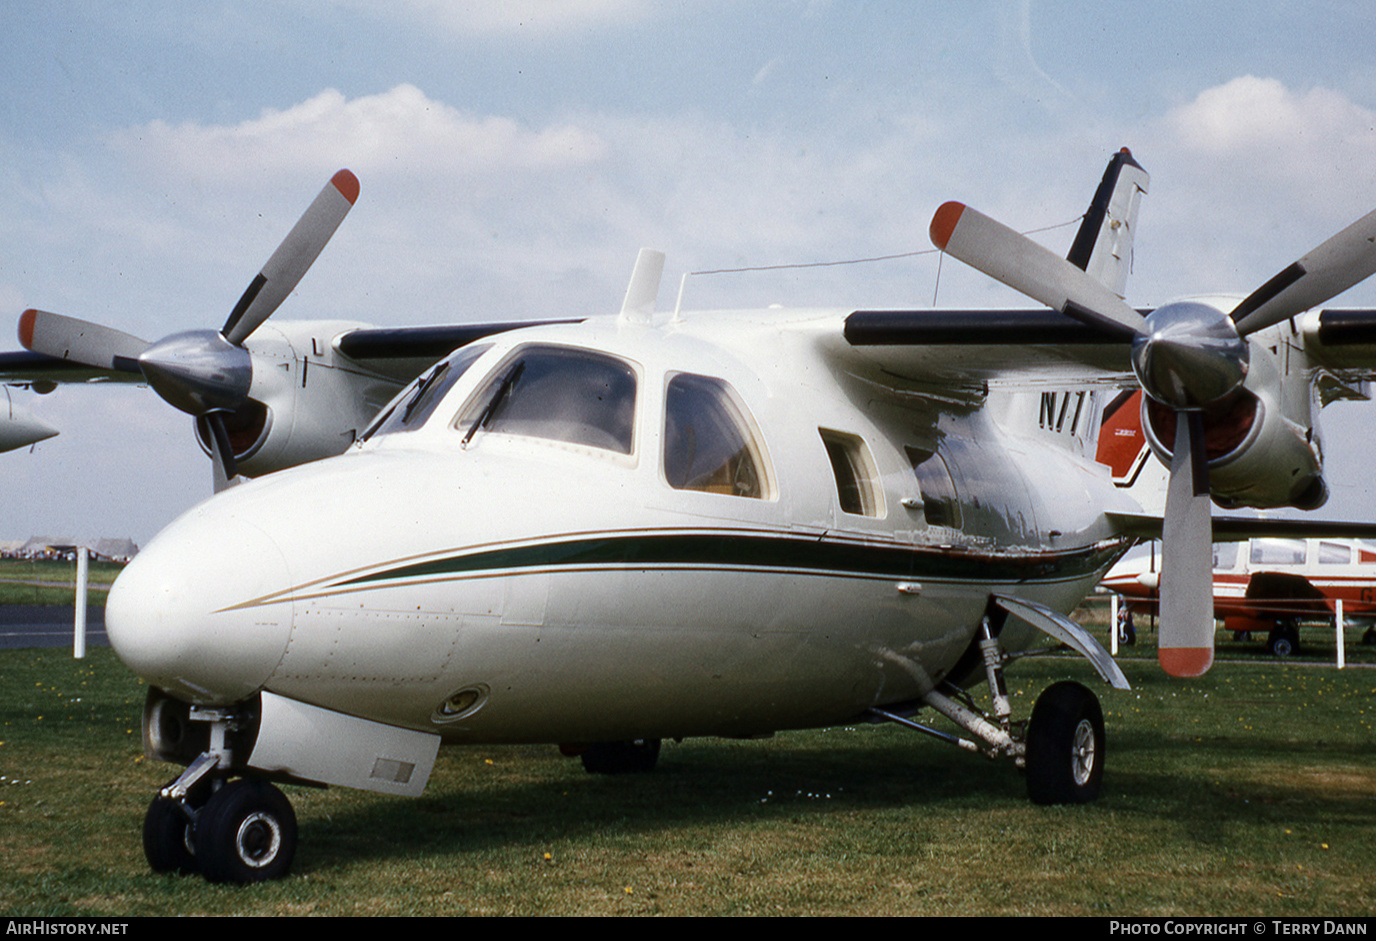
607 532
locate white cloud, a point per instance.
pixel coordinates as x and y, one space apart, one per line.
1280 129
400 129
1247 176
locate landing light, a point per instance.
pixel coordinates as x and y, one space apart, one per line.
460 705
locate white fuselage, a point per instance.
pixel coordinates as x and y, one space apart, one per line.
496 586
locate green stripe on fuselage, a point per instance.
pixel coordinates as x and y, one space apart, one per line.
754 551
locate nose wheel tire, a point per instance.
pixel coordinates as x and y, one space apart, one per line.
246 833
169 838
1065 746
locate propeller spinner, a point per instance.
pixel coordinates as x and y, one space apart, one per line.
205 373
1188 357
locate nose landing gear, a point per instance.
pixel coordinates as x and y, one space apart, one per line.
227 829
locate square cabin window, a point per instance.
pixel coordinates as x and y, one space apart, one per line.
857 478
710 443
1334 553
1278 551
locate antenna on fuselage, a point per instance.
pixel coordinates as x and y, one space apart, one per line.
641 293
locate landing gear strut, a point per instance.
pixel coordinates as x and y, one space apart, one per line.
227 829
1061 747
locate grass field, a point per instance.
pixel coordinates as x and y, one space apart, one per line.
31 581
1252 791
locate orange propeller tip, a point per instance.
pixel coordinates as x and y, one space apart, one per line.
944 223
26 320
347 184
1186 662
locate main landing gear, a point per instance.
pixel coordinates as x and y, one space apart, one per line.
1061 747
227 829
635 756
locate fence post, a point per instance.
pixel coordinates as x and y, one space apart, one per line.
79 628
1338 630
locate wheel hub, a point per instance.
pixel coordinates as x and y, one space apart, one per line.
258 840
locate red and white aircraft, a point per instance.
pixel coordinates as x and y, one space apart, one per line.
1271 586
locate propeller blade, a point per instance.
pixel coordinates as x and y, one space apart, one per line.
293 257
1344 260
1186 646
79 341
1015 260
226 468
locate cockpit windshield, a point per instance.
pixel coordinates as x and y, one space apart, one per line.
570 395
409 410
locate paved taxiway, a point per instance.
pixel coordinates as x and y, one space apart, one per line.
23 625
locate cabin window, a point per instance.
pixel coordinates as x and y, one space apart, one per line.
709 440
561 394
1277 551
1225 555
409 410
1334 553
940 506
857 479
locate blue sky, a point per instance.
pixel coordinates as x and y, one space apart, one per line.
514 156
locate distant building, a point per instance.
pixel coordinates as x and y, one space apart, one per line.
50 547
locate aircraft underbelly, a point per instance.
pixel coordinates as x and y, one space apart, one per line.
633 652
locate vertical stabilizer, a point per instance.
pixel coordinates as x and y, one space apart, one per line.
1103 246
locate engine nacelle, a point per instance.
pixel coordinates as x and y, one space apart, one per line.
1262 440
307 401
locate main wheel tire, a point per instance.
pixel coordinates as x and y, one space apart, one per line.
1283 640
632 757
246 833
1065 746
169 838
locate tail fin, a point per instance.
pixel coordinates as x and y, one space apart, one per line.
1103 245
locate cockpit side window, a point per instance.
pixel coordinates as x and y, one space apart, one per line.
409 410
709 440
562 394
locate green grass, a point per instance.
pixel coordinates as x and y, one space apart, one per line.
41 582
1251 791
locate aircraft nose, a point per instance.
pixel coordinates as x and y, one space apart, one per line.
179 614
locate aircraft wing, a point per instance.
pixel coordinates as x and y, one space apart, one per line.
1342 342
1240 528
398 352
988 346
403 352
25 368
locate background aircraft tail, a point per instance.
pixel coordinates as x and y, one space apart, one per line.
1102 248
1103 245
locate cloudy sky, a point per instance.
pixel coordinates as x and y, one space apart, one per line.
514 156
